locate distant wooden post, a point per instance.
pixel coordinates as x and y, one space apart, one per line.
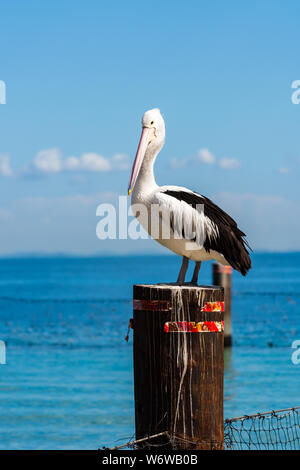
222 277
179 365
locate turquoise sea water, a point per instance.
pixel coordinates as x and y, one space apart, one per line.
68 381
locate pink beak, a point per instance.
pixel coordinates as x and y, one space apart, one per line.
143 144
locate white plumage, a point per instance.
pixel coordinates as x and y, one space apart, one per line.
184 221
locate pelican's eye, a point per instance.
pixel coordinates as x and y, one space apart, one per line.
152 122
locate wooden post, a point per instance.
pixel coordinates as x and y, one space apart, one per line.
178 375
222 277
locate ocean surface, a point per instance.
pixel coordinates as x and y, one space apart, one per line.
68 378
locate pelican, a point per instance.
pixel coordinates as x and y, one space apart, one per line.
190 224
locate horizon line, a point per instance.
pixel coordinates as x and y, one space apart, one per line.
116 254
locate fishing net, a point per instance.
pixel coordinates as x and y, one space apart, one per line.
274 430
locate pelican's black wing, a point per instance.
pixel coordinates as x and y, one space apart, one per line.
230 240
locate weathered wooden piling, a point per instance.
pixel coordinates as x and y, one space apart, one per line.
222 276
179 365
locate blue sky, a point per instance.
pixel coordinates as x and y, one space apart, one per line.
79 76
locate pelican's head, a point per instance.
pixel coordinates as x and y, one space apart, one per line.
151 141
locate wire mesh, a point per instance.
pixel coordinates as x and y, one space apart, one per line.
273 430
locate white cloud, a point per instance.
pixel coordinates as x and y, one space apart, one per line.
51 161
5 168
229 163
94 162
48 161
205 156
179 163
121 161
284 170
72 163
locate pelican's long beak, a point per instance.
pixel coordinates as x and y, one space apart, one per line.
146 138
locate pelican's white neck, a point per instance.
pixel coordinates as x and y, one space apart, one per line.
146 181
